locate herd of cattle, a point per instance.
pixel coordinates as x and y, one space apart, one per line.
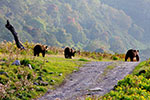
68 52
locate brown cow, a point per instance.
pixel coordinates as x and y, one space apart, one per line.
132 54
40 49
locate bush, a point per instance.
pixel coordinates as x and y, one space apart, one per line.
25 62
50 52
83 59
23 52
101 58
115 58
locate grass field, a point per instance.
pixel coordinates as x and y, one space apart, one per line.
22 82
36 75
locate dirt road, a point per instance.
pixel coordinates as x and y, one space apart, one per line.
95 78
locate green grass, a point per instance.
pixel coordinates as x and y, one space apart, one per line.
82 59
110 67
142 66
115 58
105 72
23 83
107 69
17 82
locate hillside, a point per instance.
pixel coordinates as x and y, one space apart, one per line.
83 24
138 10
24 76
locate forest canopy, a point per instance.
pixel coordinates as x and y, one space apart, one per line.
83 24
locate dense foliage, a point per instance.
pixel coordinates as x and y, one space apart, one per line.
131 88
138 10
84 24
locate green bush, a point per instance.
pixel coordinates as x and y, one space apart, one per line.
101 58
25 62
23 52
132 87
83 59
115 58
51 52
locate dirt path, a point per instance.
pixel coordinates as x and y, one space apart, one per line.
96 78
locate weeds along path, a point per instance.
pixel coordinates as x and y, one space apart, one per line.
95 78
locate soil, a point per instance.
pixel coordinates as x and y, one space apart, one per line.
95 78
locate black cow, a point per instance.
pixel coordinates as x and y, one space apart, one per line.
69 52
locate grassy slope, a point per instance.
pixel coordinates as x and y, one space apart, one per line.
21 82
17 81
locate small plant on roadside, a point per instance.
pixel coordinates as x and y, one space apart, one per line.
81 59
25 62
100 58
115 58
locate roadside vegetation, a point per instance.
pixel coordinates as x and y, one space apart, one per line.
135 86
35 75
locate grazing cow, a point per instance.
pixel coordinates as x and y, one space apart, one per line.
69 52
40 49
133 55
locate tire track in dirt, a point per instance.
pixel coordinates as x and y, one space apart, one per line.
95 78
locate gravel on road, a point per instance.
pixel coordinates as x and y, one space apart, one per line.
95 78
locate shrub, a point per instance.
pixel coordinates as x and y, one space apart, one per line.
25 62
50 52
83 59
115 58
23 52
101 58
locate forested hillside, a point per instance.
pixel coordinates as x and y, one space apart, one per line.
139 12
83 24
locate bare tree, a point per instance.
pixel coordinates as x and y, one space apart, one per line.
12 30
